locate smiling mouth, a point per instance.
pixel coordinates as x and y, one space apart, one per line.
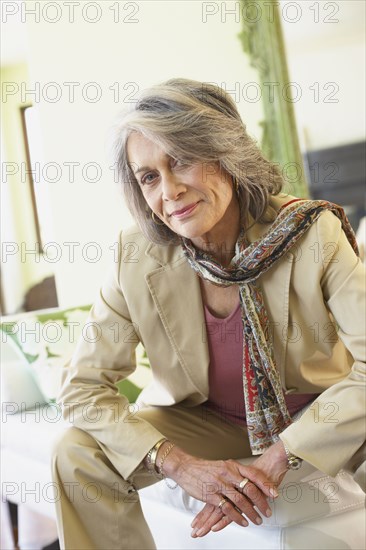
184 211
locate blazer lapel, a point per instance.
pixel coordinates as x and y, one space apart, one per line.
176 292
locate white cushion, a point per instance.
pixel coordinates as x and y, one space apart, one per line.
19 388
46 340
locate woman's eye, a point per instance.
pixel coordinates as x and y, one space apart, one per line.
148 178
177 163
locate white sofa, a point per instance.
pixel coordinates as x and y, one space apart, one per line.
313 510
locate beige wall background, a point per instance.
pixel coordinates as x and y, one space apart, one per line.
85 65
325 44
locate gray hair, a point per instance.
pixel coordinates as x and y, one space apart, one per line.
195 122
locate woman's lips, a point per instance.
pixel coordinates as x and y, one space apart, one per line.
183 212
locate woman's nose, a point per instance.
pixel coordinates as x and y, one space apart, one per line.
171 187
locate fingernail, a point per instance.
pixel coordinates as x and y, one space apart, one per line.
200 532
259 520
273 493
268 512
244 522
194 533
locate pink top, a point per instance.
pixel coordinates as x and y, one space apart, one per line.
225 344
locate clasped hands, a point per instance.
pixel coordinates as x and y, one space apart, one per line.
219 483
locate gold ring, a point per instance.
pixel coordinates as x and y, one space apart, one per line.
243 482
221 503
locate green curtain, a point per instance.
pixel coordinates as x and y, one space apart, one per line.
262 39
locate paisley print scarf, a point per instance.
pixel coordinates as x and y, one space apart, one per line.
266 411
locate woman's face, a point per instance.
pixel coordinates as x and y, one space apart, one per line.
195 201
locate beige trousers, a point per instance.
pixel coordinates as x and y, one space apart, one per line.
98 508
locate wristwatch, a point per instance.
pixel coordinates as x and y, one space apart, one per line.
293 462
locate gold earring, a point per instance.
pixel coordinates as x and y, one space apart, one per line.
155 219
236 185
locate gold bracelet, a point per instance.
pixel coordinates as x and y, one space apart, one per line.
152 454
166 452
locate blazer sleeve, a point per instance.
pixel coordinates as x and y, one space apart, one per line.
328 441
104 355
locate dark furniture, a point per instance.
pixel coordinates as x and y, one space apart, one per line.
338 174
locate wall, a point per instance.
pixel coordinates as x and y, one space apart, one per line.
325 47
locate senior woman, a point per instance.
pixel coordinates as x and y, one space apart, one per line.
235 290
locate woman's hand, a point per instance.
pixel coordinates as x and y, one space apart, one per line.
273 464
217 481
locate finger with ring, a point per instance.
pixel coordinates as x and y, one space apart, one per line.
243 482
232 511
221 503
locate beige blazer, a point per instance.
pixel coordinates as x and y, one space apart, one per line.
153 296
